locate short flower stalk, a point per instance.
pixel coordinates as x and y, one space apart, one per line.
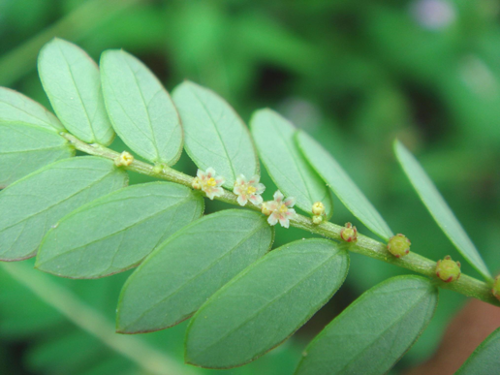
279 210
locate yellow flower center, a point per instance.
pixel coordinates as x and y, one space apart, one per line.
211 182
283 208
251 190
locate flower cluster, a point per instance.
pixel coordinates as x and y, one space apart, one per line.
318 210
250 190
279 210
209 183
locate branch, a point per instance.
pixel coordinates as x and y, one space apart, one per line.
91 321
466 285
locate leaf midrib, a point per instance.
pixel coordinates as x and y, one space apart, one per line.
257 312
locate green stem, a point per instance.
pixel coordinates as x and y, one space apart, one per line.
91 321
74 26
466 285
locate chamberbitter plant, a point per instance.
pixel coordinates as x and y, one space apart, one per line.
79 218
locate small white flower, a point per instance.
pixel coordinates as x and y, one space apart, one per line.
248 190
205 181
279 209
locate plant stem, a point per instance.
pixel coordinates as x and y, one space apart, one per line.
466 285
74 26
91 321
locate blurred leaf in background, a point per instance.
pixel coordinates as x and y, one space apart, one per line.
354 74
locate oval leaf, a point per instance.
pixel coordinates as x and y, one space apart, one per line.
486 359
273 136
140 108
25 148
374 332
73 85
342 185
439 210
115 232
265 304
16 107
215 135
33 204
175 280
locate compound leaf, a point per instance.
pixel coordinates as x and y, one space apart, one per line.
175 280
342 185
215 135
73 85
438 208
273 137
15 107
140 108
115 232
32 205
25 148
265 304
485 360
374 332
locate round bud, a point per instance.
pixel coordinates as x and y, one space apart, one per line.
124 159
399 245
317 219
349 233
496 288
158 168
265 209
447 269
318 209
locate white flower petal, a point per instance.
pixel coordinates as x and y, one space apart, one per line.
289 202
272 219
242 200
278 197
285 223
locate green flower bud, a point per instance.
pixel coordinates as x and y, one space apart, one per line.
496 288
349 233
399 245
318 209
317 219
448 270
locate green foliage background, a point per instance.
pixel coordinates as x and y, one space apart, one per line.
354 74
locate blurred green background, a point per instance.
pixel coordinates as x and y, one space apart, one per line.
355 74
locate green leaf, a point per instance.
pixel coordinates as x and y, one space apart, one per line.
439 210
215 135
34 204
342 185
140 108
273 136
374 332
265 304
486 359
115 232
72 83
25 148
15 107
175 280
